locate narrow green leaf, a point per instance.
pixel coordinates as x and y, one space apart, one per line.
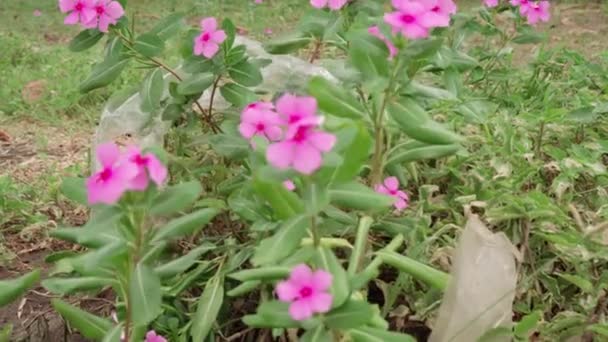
316 198
237 95
276 313
172 112
287 44
114 334
149 45
14 288
423 152
282 243
65 286
176 198
168 26
352 314
333 99
196 84
89 325
355 155
245 74
231 146
284 203
527 324
369 334
358 196
181 264
145 295
579 281
208 307
85 40
103 74
417 270
263 273
360 244
318 334
414 122
152 90
185 225
244 288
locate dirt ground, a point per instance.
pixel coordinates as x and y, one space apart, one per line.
35 152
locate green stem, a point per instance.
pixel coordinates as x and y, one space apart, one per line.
358 253
316 237
539 139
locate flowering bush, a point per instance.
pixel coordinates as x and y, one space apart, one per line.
308 174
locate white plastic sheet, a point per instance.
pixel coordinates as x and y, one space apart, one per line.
480 294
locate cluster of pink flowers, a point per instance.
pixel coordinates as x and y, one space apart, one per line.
390 187
121 172
415 18
307 291
293 130
90 14
533 10
208 42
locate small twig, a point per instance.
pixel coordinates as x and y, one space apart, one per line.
237 335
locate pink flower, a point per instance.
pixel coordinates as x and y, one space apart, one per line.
303 144
332 4
37 13
438 13
268 31
107 12
80 11
490 3
524 5
151 336
391 188
208 42
392 50
408 19
109 183
289 185
258 118
306 291
259 1
538 11
148 168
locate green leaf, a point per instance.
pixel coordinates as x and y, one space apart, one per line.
369 334
245 74
152 90
14 288
145 295
499 333
263 273
583 115
284 203
287 44
196 84
208 307
168 26
368 57
421 152
579 281
89 325
236 55
172 112
230 30
352 314
176 198
318 334
244 288
74 189
183 263
103 74
414 122
149 45
334 100
529 36
65 286
422 48
527 324
186 224
355 154
85 40
358 196
99 231
114 334
282 243
231 146
316 198
417 270
340 288
237 95
277 313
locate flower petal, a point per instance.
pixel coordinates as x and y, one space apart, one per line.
210 49
286 291
301 310
321 302
318 3
115 10
209 24
323 141
301 275
218 36
72 18
107 153
281 154
321 280
391 183
307 159
66 5
247 130
156 169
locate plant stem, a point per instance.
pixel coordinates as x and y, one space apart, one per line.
539 139
316 238
210 111
316 51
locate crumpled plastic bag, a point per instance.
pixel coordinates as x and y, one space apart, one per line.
122 116
481 291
